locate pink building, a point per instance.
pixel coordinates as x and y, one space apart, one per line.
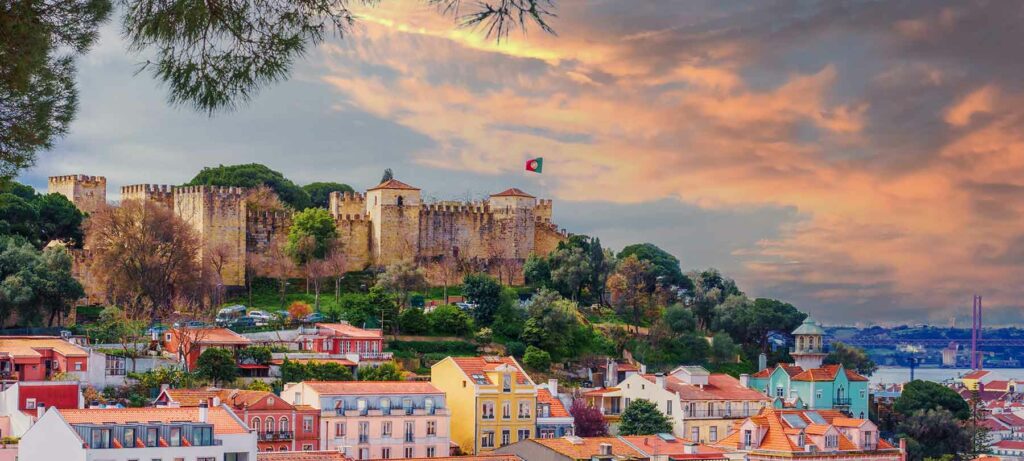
344 339
378 420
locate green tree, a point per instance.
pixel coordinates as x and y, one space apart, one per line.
259 386
679 319
59 219
537 359
312 233
666 266
449 320
320 192
919 395
631 288
18 216
723 349
218 365
35 284
387 176
554 325
414 321
852 358
710 289
570 269
253 175
981 440
115 326
259 355
537 271
484 291
327 371
389 371
933 433
642 417
400 279
38 98
750 322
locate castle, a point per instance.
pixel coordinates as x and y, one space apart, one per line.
388 223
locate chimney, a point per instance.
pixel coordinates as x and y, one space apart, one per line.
903 449
744 380
164 387
40 409
553 386
690 448
762 361
660 380
606 449
216 401
203 411
643 369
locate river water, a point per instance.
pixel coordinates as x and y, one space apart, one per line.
890 375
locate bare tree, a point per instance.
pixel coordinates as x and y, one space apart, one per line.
215 257
188 340
263 198
316 270
336 264
278 265
143 256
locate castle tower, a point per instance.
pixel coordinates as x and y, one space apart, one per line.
88 193
394 211
160 193
809 350
514 222
218 215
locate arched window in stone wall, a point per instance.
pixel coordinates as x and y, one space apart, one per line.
401 200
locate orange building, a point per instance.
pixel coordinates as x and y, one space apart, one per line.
189 343
37 358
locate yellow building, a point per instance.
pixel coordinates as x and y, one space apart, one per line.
491 399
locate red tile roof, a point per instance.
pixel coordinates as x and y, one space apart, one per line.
588 447
348 331
976 374
327 455
29 346
654 445
557 407
719 387
343 362
827 373
1010 444
372 387
512 192
480 365
1009 419
223 421
790 369
778 431
219 336
600 391
393 184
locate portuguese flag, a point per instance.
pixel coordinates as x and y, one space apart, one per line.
535 165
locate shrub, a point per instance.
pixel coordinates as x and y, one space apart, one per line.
217 365
449 320
413 321
537 359
299 309
515 348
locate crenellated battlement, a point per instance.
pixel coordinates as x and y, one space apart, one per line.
479 208
221 191
147 189
358 217
80 178
355 197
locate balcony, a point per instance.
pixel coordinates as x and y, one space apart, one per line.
364 438
719 413
372 356
841 402
409 438
275 435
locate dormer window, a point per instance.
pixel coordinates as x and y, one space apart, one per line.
506 383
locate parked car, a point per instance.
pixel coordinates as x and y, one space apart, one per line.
261 316
314 318
283 315
191 324
242 322
228 314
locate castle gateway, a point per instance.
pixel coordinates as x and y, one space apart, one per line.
387 224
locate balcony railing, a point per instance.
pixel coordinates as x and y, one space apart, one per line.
841 402
720 413
871 446
409 438
376 355
363 438
276 435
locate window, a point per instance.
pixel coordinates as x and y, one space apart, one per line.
78 366
206 459
862 392
431 452
305 447
30 404
668 407
385 406
100 438
488 410
364 432
817 395
487 439
271 424
523 434
202 436
385 453
307 423
713 434
175 437
361 406
506 383
728 408
339 429
506 437
385 428
284 424
129 438
408 452
240 456
407 406
428 405
524 409
506 410
115 366
695 434
831 441
431 428
364 453
152 436
779 392
747 439
410 431
256 424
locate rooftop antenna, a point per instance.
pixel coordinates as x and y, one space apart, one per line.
976 333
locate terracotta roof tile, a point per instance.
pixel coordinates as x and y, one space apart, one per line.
652 444
512 192
393 184
480 365
327 455
557 407
1009 419
719 387
217 336
190 397
588 447
372 387
343 362
28 346
790 369
348 331
1010 444
223 421
976 374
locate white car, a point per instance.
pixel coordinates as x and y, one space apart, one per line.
261 316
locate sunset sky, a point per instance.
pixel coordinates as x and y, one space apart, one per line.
863 161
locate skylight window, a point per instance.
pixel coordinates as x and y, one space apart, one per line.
815 417
794 421
480 379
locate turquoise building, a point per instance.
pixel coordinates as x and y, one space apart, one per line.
809 384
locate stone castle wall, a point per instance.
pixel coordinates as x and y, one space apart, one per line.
377 228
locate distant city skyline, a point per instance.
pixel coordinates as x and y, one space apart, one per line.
862 161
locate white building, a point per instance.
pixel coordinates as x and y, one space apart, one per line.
127 434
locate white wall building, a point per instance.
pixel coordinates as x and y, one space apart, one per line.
126 434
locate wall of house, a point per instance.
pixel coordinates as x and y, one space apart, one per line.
461 398
49 439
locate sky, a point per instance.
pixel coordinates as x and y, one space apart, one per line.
861 160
